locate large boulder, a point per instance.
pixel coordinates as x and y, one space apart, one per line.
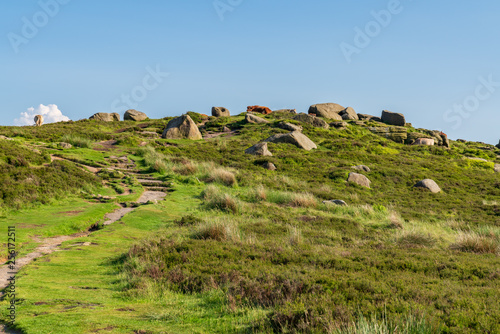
182 127
349 114
296 138
106 117
313 120
220 112
428 184
259 109
327 110
359 179
255 119
393 118
259 149
134 115
38 120
289 126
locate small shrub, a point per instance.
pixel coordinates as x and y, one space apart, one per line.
189 220
219 231
304 200
222 176
215 199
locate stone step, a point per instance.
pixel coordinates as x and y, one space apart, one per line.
162 189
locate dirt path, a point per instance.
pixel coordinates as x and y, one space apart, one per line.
51 245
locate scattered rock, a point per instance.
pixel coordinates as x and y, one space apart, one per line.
134 115
259 109
428 184
65 145
424 141
182 127
362 168
296 138
259 149
327 110
38 120
335 202
359 179
226 129
105 117
314 121
339 125
288 111
220 112
142 144
393 118
5 138
255 119
269 165
349 114
289 126
497 168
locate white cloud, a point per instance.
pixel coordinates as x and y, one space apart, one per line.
50 113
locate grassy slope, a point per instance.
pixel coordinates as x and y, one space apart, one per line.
348 260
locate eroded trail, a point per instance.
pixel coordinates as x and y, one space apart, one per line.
51 245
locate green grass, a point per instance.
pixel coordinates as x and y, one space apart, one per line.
237 248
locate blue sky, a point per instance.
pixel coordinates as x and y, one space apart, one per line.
436 62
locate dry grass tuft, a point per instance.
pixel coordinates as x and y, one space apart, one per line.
472 242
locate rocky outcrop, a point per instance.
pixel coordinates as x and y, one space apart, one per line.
259 109
105 117
38 120
397 133
393 118
296 138
182 127
349 114
134 115
428 184
313 120
289 126
327 110
220 112
287 111
259 149
359 179
255 119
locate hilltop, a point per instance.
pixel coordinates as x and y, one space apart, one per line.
266 221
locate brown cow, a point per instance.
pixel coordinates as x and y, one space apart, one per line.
424 141
259 109
38 120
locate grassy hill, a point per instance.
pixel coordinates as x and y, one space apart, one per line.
237 248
